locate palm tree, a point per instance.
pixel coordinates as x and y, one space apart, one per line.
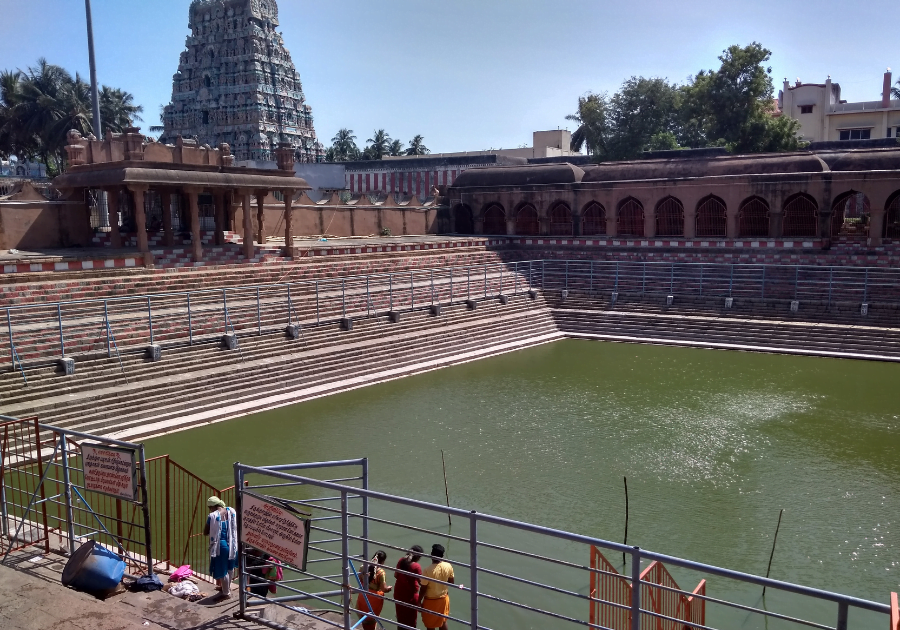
117 109
416 147
379 145
592 124
49 104
344 145
396 148
895 91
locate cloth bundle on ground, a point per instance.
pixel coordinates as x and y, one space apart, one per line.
147 583
184 589
181 573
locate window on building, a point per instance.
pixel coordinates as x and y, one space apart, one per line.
856 134
806 109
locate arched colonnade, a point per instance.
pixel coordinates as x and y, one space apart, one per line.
798 216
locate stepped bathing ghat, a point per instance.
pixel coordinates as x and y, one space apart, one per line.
156 299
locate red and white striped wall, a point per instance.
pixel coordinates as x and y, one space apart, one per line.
400 182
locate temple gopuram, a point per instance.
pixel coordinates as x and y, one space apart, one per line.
236 84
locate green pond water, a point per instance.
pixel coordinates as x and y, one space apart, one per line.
713 443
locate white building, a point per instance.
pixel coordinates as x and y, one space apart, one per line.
825 117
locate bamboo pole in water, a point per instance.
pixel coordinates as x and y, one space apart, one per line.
774 540
446 490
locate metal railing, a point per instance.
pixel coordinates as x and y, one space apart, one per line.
828 285
41 334
43 490
502 571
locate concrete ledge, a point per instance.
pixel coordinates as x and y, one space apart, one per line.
732 346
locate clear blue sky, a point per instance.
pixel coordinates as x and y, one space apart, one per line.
470 74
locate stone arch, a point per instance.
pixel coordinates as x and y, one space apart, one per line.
892 216
593 219
630 218
850 213
753 218
494 219
801 216
561 223
527 221
711 218
670 217
463 221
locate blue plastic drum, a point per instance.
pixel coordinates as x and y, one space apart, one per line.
93 568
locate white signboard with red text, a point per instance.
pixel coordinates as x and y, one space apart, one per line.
277 530
110 470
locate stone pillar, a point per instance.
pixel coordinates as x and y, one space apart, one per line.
510 226
260 216
112 207
288 223
193 203
478 225
876 227
731 222
776 223
248 225
219 201
168 232
649 222
612 227
140 218
690 222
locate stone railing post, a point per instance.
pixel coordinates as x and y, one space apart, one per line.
248 223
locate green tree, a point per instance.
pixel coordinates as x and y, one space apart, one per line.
895 91
642 109
343 146
593 124
395 149
39 106
733 105
117 109
379 145
416 146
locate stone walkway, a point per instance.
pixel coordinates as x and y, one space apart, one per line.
32 598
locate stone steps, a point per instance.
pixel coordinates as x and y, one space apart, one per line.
187 358
203 379
751 333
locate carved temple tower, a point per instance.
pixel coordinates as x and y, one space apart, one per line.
236 83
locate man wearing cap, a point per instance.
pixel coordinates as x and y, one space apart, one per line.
433 595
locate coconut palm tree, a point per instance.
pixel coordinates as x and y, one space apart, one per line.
416 146
344 145
895 91
379 145
117 109
396 148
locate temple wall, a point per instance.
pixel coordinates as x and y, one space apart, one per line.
43 224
